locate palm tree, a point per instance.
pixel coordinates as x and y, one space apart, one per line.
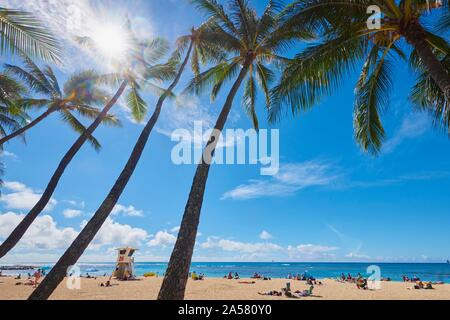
12 117
200 50
253 42
21 32
137 67
427 96
80 94
346 41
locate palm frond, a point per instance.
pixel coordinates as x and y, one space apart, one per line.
92 113
249 99
78 127
137 105
427 96
372 97
22 32
316 72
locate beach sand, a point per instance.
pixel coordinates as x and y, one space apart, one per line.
213 288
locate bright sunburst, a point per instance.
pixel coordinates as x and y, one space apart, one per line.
111 40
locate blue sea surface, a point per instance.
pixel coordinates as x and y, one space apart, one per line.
425 271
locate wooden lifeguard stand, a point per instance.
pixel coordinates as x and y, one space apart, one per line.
125 263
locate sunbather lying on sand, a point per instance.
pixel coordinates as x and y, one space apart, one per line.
247 282
305 293
270 293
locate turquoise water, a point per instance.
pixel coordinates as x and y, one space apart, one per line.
425 271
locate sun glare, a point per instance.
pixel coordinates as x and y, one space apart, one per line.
111 40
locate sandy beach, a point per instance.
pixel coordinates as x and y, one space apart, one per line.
223 289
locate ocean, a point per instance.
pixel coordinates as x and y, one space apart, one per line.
425 271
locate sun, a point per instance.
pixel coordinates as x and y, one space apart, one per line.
111 40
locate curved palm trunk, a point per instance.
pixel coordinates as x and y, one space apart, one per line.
28 126
175 279
76 249
23 226
434 67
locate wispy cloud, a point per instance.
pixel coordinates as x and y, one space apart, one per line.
413 126
129 211
267 250
22 197
265 235
417 176
291 178
72 213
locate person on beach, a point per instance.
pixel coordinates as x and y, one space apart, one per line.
37 277
361 283
230 276
270 293
236 276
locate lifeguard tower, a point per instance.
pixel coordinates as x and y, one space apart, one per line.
125 263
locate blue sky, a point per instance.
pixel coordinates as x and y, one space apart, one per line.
329 202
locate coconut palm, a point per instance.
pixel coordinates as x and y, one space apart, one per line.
79 95
12 117
427 96
347 40
134 69
199 50
253 43
21 32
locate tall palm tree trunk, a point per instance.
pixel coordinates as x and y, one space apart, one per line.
23 226
175 279
415 36
79 245
28 126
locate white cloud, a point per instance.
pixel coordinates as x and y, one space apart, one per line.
245 247
309 250
413 125
72 213
44 233
8 154
129 211
175 229
290 179
162 239
80 204
114 233
22 197
265 235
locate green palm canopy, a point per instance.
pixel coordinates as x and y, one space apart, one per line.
22 32
80 95
347 43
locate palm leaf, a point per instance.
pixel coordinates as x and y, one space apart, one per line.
21 32
136 104
78 127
